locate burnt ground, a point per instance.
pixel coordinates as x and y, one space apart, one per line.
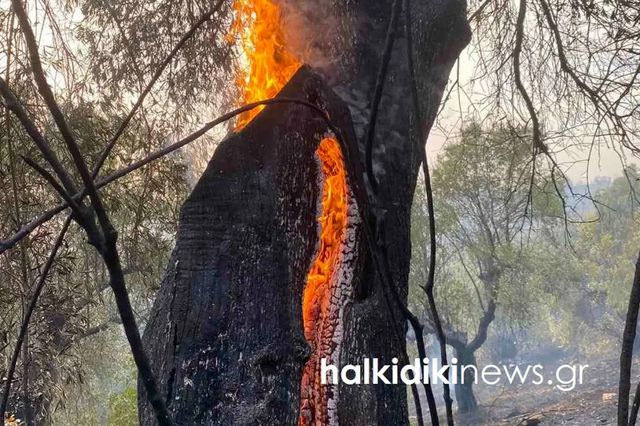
594 402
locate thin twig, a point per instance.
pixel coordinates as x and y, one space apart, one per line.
55 184
429 286
517 50
186 37
49 214
29 312
14 105
377 94
109 252
105 238
47 95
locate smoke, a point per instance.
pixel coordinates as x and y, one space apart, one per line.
312 29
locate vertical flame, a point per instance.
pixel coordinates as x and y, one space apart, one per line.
332 222
320 322
267 63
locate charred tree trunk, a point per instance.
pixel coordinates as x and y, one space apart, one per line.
626 356
226 333
440 31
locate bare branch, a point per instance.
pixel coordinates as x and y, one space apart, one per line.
48 215
186 37
61 123
56 186
377 94
517 50
15 106
428 288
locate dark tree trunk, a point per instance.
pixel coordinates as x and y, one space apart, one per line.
465 353
465 398
626 355
225 334
440 31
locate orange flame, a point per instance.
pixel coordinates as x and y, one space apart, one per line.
332 221
268 64
317 296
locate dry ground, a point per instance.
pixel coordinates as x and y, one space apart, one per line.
594 402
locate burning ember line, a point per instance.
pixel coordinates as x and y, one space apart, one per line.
332 222
266 66
329 285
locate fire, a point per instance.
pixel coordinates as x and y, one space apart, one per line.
320 317
332 222
268 65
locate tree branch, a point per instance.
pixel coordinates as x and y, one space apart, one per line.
104 239
77 210
377 94
117 282
428 288
186 37
48 215
517 50
47 95
15 106
28 314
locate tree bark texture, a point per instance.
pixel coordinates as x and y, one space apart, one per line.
440 31
226 335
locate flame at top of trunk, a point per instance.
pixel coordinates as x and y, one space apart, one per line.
267 64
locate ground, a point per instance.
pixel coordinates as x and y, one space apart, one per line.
592 403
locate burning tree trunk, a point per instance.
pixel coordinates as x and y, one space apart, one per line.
227 326
246 311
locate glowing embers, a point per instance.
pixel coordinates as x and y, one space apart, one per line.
332 222
328 286
266 64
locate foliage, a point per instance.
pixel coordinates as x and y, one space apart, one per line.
488 212
552 293
76 303
609 246
124 408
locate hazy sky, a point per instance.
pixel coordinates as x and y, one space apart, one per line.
604 160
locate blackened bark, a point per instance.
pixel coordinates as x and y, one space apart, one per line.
440 31
225 334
